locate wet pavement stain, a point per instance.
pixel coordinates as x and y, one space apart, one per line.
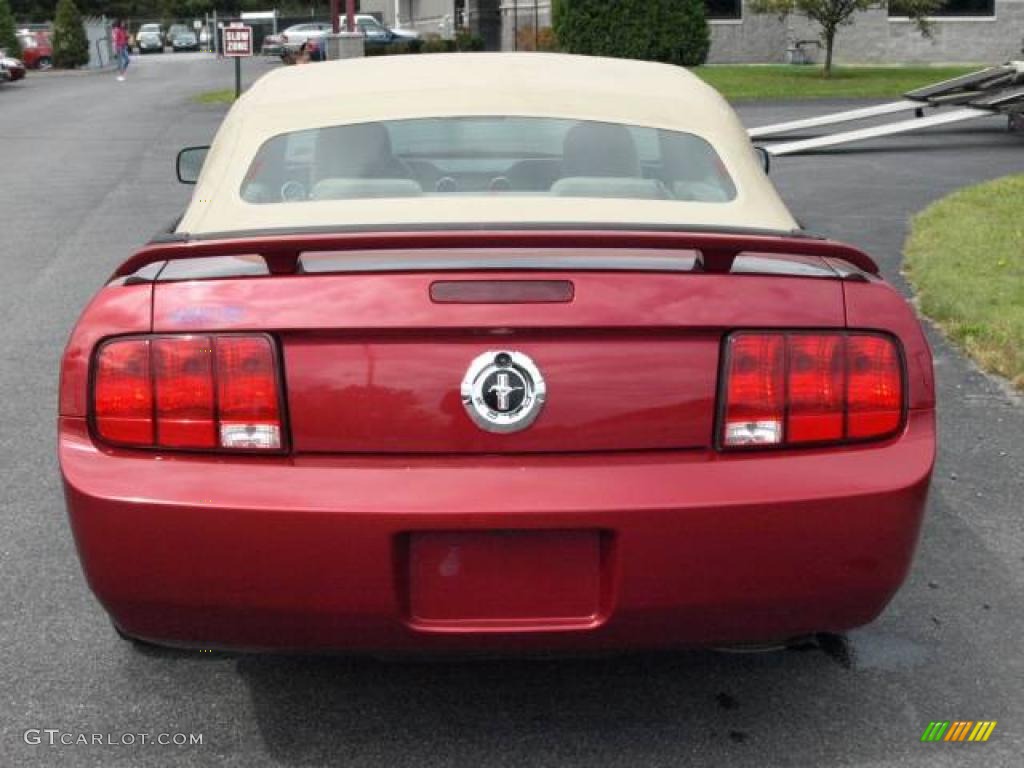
837 648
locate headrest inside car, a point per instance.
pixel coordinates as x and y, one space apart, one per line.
599 149
348 189
610 186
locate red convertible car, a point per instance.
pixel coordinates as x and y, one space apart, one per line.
496 352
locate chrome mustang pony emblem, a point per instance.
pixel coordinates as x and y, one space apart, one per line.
503 391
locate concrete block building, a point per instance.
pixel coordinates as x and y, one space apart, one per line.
969 31
990 31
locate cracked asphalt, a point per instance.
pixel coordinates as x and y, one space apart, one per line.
86 175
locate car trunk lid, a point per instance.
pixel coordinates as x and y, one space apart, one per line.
374 355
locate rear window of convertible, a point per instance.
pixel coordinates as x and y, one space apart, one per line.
486 156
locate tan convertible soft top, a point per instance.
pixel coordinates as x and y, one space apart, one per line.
463 84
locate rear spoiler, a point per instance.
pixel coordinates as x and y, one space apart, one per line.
716 249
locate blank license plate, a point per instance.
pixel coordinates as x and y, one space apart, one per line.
496 577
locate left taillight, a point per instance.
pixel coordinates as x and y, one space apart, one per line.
123 393
189 392
792 388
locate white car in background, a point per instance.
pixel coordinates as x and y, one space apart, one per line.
149 38
294 36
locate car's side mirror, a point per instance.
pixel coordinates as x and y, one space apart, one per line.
766 159
190 163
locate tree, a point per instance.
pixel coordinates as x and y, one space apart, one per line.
70 45
830 15
8 38
672 31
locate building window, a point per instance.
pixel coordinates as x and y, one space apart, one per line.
724 9
951 8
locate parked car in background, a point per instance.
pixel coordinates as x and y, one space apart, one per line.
184 40
36 50
149 39
550 367
377 34
5 76
15 67
273 45
294 36
173 30
404 34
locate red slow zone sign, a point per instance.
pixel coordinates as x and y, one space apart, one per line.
238 41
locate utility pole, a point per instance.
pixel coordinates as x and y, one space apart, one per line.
515 26
350 16
536 26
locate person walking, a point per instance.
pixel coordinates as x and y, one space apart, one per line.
120 40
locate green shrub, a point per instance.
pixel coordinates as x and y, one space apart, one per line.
406 46
671 31
685 38
70 45
8 38
467 41
435 44
431 44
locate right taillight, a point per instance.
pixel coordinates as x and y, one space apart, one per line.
193 392
799 388
874 386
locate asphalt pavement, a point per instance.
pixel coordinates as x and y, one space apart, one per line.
86 175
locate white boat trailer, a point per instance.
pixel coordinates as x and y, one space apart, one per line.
991 91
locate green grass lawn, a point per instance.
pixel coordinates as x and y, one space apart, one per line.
227 96
965 257
756 82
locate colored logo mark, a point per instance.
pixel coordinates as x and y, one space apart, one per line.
958 730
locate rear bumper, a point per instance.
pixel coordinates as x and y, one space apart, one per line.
313 552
